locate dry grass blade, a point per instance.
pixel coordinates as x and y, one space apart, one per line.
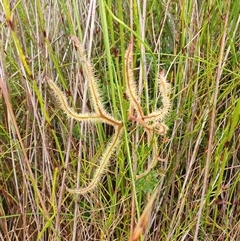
24 153
144 219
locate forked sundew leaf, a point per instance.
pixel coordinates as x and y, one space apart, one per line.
99 115
150 123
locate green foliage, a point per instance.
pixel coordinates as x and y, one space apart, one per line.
148 182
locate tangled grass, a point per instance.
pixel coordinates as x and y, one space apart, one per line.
43 151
